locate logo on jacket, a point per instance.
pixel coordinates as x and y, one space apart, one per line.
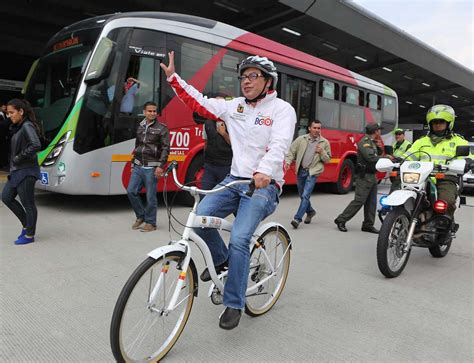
240 108
263 120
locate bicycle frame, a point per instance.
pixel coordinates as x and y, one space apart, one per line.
188 235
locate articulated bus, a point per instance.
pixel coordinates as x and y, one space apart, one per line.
77 89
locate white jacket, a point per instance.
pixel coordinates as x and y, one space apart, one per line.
260 136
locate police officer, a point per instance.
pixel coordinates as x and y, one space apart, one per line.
400 148
439 146
366 183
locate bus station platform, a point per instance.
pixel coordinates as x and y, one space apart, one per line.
58 293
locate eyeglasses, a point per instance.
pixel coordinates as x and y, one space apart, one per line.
250 76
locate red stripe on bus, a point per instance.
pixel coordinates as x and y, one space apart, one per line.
191 101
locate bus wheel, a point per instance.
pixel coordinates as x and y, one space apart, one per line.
345 178
193 177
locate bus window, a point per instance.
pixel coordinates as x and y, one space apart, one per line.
328 90
352 118
134 95
389 119
389 108
327 111
224 77
190 56
374 101
352 96
299 93
144 70
306 106
94 127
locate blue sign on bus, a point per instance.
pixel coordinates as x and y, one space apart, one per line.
44 178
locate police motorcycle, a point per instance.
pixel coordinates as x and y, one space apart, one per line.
413 215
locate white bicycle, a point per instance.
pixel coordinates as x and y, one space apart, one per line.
155 303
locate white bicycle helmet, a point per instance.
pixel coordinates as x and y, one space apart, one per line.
262 63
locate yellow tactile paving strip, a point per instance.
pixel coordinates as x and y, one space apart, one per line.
3 176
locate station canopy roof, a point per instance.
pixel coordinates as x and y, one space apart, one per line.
337 31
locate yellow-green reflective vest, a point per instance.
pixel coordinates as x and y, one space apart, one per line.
401 150
422 149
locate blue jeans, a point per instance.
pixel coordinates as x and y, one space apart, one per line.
213 174
143 177
305 185
250 212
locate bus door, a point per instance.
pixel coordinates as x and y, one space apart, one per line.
143 65
300 93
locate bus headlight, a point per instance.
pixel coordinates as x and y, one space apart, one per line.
56 151
411 178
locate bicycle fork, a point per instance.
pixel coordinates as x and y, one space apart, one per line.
159 285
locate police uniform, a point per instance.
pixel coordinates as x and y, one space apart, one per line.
365 184
423 149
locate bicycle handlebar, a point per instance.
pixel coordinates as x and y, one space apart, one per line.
174 165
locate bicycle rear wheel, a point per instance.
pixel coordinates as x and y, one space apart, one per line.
270 260
142 330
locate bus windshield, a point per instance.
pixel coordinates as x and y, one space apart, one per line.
53 85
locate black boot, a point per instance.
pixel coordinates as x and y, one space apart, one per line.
230 318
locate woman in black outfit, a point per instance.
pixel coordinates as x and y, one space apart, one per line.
24 168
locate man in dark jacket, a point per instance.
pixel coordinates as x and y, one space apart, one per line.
217 154
152 147
366 183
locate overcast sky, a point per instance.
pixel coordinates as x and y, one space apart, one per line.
446 25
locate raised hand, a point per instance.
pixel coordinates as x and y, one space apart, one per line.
169 70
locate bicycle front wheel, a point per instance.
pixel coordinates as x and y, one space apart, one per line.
142 329
269 266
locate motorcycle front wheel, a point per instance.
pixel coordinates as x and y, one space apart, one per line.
392 241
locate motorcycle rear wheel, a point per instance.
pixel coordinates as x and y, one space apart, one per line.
391 258
440 251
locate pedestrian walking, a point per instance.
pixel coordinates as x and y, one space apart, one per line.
311 152
366 183
24 168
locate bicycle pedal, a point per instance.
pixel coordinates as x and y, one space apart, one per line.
216 297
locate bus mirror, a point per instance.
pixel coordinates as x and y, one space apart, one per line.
463 150
388 149
101 61
198 118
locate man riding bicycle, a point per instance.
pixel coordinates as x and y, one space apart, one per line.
261 128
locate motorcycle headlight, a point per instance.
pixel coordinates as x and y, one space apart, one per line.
411 178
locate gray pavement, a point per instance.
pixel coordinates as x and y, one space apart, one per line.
57 294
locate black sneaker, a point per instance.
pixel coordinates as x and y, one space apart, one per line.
230 318
309 216
295 223
206 276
